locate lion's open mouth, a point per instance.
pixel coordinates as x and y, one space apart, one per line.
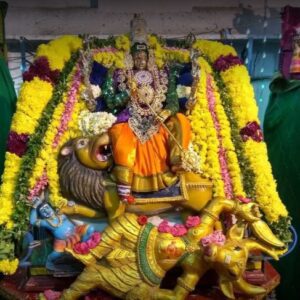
103 153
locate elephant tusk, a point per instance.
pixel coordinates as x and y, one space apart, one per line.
263 232
248 288
226 287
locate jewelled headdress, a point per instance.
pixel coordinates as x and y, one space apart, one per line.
138 30
138 34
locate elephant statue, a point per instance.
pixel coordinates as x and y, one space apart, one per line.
133 256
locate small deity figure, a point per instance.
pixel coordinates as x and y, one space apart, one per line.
65 232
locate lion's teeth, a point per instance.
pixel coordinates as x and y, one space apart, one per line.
101 157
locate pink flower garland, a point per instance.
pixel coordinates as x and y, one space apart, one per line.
222 152
178 229
69 106
217 237
39 186
91 243
244 199
66 116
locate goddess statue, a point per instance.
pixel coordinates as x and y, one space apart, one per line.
144 150
150 135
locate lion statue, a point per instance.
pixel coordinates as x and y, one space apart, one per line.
84 166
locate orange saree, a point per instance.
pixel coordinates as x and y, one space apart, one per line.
146 166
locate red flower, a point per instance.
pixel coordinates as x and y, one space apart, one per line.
40 68
142 220
164 227
81 248
17 143
223 63
128 199
252 130
178 230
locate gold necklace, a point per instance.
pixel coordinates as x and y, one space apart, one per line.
59 218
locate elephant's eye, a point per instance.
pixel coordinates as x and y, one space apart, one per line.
237 248
82 143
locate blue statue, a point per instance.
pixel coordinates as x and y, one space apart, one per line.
65 232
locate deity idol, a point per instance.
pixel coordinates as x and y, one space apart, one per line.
65 232
149 135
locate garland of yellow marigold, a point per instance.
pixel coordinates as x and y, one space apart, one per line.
33 99
230 153
47 159
240 89
237 80
205 137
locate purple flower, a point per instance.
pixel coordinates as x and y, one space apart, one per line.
17 143
217 237
123 116
223 63
98 74
40 68
252 130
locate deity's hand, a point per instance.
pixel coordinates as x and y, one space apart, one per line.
163 116
36 201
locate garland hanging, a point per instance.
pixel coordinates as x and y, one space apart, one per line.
224 121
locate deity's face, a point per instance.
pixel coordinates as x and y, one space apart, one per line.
46 211
140 60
